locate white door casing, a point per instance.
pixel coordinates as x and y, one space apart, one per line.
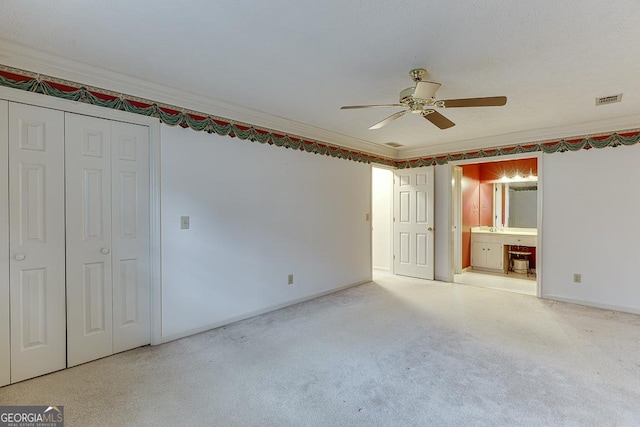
37 241
413 222
131 236
89 282
457 220
5 334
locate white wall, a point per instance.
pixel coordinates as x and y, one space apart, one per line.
443 235
258 213
591 225
382 206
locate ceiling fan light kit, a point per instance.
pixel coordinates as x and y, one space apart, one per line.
420 99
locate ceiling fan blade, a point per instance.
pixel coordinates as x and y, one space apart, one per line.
438 119
389 119
491 101
351 107
425 90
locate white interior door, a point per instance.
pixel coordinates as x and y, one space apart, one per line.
89 280
131 239
413 223
37 241
5 334
108 248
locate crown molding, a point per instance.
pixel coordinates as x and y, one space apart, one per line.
14 55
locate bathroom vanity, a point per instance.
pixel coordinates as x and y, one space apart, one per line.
490 246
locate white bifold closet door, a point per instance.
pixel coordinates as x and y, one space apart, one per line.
107 222
37 241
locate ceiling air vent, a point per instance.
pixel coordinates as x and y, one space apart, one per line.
393 144
609 99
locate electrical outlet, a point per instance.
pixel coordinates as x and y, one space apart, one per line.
577 278
290 279
184 222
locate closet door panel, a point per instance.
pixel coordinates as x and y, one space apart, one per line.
131 245
5 347
37 241
89 276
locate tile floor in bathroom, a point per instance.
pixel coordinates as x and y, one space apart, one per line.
512 282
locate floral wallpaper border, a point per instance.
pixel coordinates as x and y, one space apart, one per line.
176 116
610 139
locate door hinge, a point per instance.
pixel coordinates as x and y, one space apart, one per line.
394 257
394 219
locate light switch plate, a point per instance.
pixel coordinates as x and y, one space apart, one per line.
184 222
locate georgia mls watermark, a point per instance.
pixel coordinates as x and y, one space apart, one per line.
31 416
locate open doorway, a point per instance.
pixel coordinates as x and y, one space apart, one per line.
403 221
496 223
381 219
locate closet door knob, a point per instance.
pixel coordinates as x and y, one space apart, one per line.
104 250
20 257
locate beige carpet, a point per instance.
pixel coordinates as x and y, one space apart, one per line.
396 352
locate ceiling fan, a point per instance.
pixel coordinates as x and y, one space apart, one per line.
421 100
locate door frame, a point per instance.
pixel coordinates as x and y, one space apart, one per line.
456 191
456 213
5 319
155 267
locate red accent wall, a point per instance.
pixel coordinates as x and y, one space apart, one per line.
486 204
470 208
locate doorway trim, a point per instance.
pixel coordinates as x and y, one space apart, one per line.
20 96
456 212
456 191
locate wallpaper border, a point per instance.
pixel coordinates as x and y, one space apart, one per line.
198 121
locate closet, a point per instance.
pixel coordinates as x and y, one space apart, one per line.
74 227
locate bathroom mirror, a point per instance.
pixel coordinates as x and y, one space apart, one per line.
516 205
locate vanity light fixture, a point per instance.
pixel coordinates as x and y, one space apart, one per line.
519 178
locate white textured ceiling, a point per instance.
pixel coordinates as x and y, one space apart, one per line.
291 64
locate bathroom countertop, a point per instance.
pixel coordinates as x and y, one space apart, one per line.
506 230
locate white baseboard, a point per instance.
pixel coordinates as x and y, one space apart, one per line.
244 316
592 304
387 269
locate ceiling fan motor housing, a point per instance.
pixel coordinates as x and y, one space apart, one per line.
406 95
